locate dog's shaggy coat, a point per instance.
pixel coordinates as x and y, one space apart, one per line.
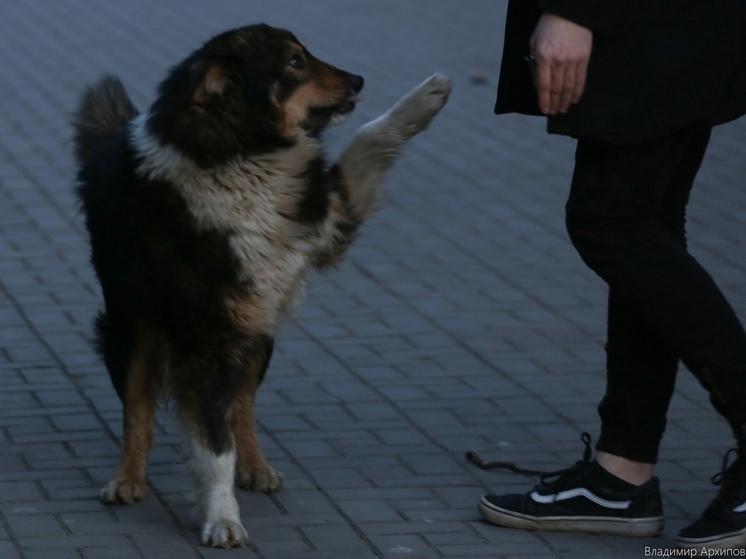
204 215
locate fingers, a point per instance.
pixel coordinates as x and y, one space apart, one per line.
562 50
580 79
558 86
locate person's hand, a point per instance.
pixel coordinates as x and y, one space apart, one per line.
561 50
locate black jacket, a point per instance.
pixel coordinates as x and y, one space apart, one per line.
657 66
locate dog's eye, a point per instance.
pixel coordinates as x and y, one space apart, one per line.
297 62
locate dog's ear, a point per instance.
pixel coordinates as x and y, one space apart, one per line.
214 82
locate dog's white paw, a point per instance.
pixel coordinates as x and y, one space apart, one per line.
118 492
414 111
260 479
224 533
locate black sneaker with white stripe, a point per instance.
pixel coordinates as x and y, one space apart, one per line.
583 498
723 523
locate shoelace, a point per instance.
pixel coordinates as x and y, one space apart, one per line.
560 475
726 469
732 481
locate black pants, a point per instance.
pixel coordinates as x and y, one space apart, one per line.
626 217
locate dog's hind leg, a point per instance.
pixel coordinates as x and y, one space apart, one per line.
139 387
253 470
377 144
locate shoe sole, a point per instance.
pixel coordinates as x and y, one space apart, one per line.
733 540
637 527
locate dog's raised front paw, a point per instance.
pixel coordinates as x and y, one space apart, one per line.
224 533
260 479
413 112
118 492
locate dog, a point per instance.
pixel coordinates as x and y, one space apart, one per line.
204 215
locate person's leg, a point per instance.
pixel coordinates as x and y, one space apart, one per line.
637 356
678 305
614 188
625 216
613 220
640 377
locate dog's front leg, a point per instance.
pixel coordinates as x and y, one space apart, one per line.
377 144
214 476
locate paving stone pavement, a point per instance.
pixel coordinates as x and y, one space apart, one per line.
462 320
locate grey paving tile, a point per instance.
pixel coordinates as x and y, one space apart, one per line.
53 554
10 550
334 538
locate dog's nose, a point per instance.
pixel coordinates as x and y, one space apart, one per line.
355 82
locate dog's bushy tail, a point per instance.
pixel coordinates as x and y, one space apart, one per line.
104 110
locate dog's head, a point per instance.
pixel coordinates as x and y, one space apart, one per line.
249 90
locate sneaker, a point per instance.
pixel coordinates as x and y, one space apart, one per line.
723 523
582 498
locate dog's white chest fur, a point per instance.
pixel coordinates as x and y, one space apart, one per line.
252 202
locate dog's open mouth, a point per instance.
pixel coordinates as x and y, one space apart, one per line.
321 117
347 106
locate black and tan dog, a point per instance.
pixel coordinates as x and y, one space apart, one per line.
205 214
